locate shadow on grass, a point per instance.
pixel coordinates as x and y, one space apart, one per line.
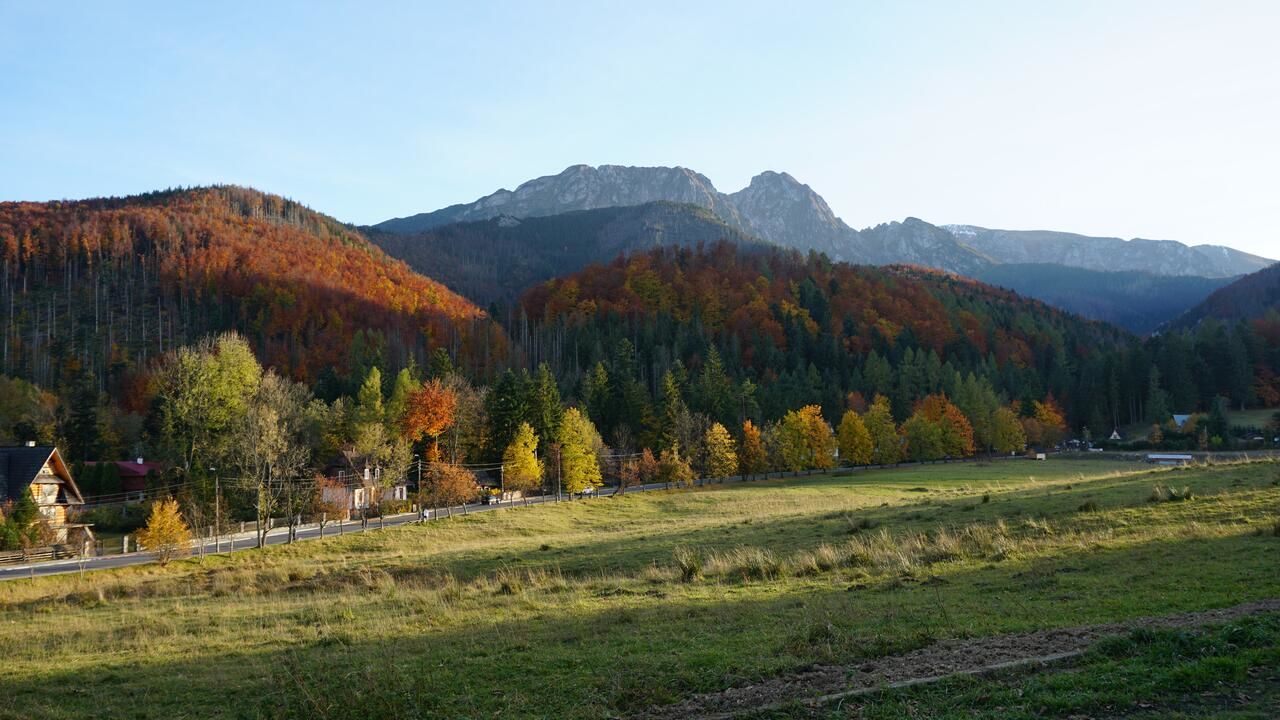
612 647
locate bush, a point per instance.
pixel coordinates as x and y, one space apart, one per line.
124 519
689 562
1162 493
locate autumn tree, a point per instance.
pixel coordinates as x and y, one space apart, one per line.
448 485
580 445
429 412
854 440
885 442
520 467
166 534
957 433
752 457
1053 424
722 457
922 438
1006 434
674 469
806 440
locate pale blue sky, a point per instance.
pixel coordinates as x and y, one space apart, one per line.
1153 119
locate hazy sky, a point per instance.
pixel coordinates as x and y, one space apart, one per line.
1157 119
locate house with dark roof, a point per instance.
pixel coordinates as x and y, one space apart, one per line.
40 471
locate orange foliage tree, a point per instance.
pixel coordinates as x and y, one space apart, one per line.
429 412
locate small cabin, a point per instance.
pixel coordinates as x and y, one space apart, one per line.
40 471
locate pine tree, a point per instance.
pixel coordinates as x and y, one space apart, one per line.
369 407
544 406
672 409
404 386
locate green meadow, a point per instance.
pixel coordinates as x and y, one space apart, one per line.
618 606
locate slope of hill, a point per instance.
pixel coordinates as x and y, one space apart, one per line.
1248 298
494 260
809 330
102 285
1136 301
780 209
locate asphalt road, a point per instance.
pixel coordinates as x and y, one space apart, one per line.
276 536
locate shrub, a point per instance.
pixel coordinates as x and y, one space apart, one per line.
166 534
689 562
1088 506
1162 493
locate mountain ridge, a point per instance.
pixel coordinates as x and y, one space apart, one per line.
776 207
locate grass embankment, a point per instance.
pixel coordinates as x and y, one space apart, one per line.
609 606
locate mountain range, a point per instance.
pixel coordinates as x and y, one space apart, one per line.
778 209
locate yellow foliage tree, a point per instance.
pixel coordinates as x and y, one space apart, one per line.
722 457
854 440
520 467
166 534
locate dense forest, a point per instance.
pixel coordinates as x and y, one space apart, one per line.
1251 297
679 360
791 330
100 287
1137 301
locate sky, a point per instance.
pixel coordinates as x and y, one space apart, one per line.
1133 119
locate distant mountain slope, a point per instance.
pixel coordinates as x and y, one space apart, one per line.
106 284
1136 301
1250 297
1158 257
496 259
780 209
806 330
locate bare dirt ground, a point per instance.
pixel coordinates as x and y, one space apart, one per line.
827 683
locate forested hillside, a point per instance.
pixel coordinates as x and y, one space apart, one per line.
1137 301
495 260
752 334
1250 297
99 287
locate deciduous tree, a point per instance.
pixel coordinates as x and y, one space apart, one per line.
854 440
166 534
520 466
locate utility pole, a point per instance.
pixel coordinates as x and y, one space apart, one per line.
217 511
502 482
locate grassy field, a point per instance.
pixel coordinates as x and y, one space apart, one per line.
610 607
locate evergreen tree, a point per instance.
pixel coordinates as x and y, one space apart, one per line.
369 409
673 408
1157 398
544 406
506 407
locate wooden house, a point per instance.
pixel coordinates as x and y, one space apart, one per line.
40 471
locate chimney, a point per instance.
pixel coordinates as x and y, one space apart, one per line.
31 443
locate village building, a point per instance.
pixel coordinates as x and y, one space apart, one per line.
356 490
40 471
134 475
